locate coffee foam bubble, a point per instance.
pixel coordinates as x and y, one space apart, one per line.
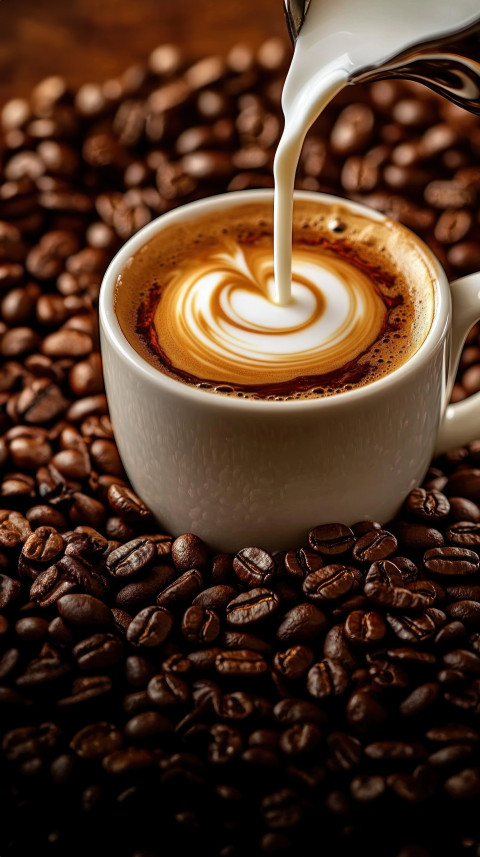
197 302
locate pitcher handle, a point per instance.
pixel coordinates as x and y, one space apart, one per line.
461 421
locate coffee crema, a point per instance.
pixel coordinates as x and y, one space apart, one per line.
197 302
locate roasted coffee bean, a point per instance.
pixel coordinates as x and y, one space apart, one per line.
302 624
464 611
200 625
240 662
183 589
412 629
331 539
251 607
97 740
215 597
150 627
427 505
362 628
464 534
188 551
451 561
98 652
327 678
146 725
301 562
131 559
141 591
84 610
375 545
245 640
364 712
43 545
32 628
167 689
300 738
462 509
294 662
254 567
418 537
331 583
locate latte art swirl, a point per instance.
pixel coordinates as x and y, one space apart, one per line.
216 318
197 302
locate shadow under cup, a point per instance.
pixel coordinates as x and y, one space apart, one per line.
241 472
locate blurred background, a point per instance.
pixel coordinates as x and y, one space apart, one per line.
91 40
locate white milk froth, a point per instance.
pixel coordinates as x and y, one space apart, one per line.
217 320
196 301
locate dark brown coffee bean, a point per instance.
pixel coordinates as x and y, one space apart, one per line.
84 610
302 624
294 662
32 628
188 551
98 652
464 534
282 809
462 659
300 738
147 724
200 625
167 689
183 589
418 537
254 567
331 539
451 561
132 558
43 545
124 501
427 505
240 662
464 611
327 678
215 597
412 629
364 712
127 760
86 689
292 710
362 628
331 583
299 563
49 586
9 591
419 699
245 640
375 545
143 591
253 606
450 755
150 627
335 646
464 785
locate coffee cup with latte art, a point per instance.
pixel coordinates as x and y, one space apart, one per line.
236 415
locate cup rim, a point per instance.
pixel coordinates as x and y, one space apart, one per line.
110 326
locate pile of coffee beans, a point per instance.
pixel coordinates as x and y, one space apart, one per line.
156 698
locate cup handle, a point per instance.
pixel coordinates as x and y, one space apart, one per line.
461 421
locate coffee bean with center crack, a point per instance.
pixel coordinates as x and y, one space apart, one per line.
252 606
331 539
150 627
254 567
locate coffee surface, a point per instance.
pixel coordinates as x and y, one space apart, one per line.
197 302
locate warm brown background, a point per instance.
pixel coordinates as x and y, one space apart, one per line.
92 40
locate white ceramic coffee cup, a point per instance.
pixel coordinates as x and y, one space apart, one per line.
243 472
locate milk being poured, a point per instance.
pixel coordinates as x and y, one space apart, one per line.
345 41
